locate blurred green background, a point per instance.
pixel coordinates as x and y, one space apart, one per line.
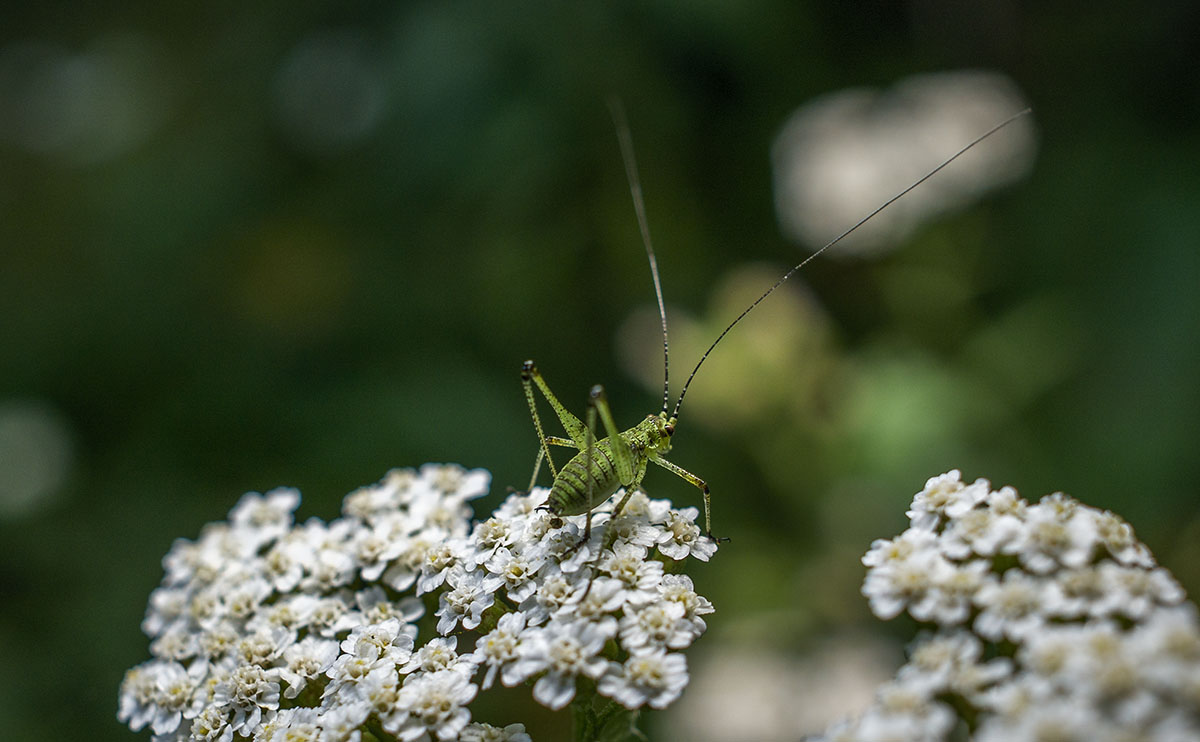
249 245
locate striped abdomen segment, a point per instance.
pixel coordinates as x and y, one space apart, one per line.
569 493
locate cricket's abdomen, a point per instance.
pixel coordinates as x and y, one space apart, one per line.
569 493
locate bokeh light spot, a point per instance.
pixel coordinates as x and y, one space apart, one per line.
36 456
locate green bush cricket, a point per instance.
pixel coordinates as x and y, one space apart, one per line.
620 459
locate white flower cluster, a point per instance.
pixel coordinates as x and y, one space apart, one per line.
1049 621
266 630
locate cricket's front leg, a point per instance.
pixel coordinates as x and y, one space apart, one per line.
696 482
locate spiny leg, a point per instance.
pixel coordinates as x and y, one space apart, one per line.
537 467
570 423
589 448
697 482
630 467
527 371
552 440
596 402
623 459
631 487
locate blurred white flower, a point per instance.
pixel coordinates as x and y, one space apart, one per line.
843 155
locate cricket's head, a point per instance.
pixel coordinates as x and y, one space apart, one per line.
654 433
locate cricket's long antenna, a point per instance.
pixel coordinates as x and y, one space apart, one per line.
839 238
635 189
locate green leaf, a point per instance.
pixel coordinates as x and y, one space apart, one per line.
618 724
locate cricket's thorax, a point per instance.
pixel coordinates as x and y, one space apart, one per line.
575 492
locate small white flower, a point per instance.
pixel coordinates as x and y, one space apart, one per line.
948 601
177 643
902 581
1170 639
904 712
348 670
1060 718
912 542
959 539
249 691
406 567
432 703
679 589
1134 592
158 694
1054 534
934 659
331 569
640 578
267 516
341 723
206 608
641 506
555 589
566 545
379 692
167 607
1075 593
285 562
264 645
1116 536
437 562
390 640
375 548
492 534
498 650
291 725
945 496
634 529
241 601
469 595
653 677
330 616
595 600
517 571
1010 608
211 725
376 607
304 661
656 625
681 537
365 503
437 655
518 505
564 650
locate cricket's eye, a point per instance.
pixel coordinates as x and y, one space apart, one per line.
669 429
